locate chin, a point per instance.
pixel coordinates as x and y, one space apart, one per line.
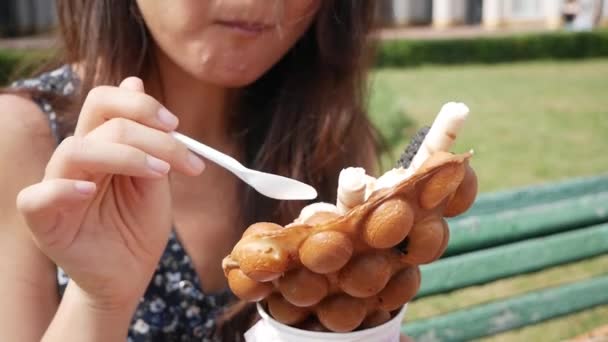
235 81
229 78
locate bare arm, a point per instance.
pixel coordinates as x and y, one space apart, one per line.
28 290
91 211
30 309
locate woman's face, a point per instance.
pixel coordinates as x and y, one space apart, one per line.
227 42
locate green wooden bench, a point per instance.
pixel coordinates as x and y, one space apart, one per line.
510 233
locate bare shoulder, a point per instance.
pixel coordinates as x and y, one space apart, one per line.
22 118
26 134
26 144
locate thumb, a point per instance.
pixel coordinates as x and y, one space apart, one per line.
133 83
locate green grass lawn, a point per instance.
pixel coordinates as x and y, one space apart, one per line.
530 123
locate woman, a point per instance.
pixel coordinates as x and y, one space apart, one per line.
138 223
570 10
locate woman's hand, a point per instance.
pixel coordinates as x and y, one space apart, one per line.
103 210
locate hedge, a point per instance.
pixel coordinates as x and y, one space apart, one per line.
16 63
555 45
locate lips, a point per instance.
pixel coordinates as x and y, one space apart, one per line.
245 27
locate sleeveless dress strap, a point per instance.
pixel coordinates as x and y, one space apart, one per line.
59 82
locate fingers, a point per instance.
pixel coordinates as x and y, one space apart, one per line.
104 103
122 116
122 131
78 158
151 141
42 203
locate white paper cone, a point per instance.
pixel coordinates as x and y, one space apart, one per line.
269 330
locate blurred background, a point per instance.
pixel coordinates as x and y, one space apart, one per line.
535 76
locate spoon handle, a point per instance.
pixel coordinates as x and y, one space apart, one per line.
215 156
269 185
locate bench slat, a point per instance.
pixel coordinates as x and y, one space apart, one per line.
488 203
491 318
476 232
508 260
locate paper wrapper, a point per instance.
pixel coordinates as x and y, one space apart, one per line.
269 330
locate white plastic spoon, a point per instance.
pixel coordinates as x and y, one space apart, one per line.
269 185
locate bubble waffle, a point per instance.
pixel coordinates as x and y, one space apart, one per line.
352 265
331 265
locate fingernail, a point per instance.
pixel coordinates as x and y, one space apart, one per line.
85 188
157 165
167 118
195 162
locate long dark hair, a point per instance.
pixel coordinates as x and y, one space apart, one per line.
310 117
